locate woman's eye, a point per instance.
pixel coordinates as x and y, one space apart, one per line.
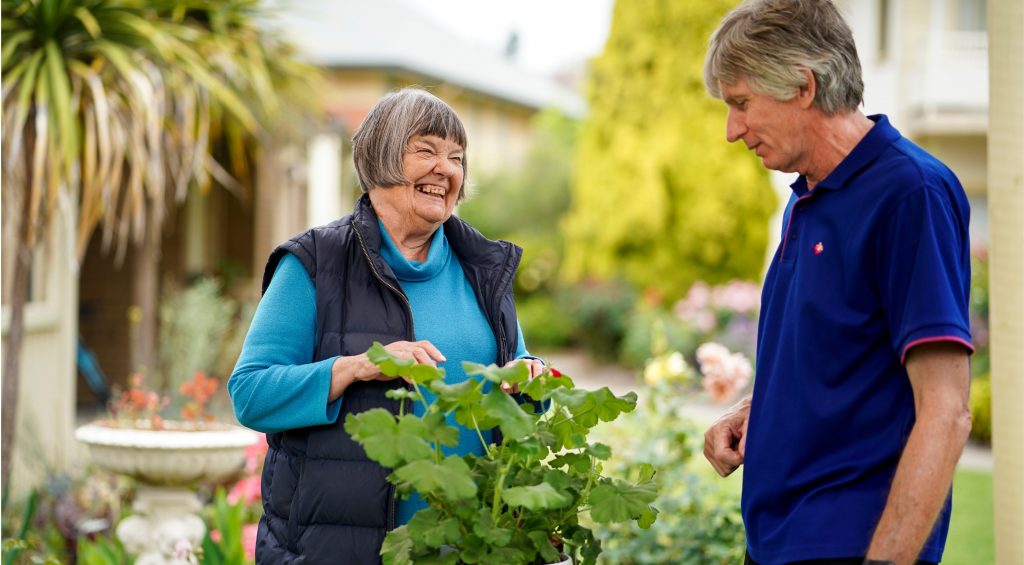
456 158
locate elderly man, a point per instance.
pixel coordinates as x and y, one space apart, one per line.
859 411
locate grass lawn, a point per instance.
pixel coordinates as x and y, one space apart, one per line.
971 531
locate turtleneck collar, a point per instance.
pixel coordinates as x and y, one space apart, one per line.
415 271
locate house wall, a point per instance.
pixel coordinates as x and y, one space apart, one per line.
498 131
46 395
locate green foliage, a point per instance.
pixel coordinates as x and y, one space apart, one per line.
227 519
659 196
194 324
971 539
601 312
510 504
103 551
698 523
546 321
981 408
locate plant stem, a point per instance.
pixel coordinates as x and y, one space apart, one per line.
498 486
479 434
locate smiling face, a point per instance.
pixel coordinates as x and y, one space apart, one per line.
433 166
773 129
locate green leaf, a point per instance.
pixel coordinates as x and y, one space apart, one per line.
397 547
460 394
587 407
618 502
403 394
569 434
88 22
437 430
513 374
578 462
536 497
541 387
60 99
647 517
542 543
393 366
600 451
514 422
484 527
450 479
387 441
647 472
429 527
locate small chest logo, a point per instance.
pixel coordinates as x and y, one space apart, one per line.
819 248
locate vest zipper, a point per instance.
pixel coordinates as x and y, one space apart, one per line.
412 336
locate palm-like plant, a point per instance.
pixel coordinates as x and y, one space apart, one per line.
110 110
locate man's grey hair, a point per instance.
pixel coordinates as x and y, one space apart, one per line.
770 42
380 142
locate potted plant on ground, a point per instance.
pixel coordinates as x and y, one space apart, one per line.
522 501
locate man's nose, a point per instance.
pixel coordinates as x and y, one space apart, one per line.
735 126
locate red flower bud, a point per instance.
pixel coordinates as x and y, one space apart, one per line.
556 373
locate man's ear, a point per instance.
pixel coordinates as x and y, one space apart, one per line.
805 94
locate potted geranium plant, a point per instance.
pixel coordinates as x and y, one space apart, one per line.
521 502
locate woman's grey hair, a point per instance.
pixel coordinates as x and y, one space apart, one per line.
380 142
770 42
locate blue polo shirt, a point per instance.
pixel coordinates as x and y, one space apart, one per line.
873 261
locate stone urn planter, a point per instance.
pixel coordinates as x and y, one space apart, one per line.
166 528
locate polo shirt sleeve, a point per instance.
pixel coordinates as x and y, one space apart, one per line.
924 272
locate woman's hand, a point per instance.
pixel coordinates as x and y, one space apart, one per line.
347 370
536 367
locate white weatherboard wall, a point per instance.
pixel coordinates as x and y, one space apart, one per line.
325 203
1006 295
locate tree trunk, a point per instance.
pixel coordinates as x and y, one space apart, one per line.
145 298
12 344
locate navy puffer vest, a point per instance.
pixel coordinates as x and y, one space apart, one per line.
324 501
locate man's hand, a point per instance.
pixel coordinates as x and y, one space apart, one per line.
726 439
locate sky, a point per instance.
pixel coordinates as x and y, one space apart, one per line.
553 34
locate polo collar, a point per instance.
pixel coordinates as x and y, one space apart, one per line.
877 140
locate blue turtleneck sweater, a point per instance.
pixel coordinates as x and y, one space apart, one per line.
274 386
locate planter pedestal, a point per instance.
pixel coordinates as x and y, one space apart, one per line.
166 529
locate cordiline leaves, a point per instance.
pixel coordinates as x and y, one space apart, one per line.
386 440
620 502
450 479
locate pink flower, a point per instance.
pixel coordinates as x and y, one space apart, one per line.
215 536
249 540
255 454
725 373
248 490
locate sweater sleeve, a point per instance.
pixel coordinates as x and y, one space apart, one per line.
275 386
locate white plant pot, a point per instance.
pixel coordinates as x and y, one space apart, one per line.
166 528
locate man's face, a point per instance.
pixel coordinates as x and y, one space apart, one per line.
772 129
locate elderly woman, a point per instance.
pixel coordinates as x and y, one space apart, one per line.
401 270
